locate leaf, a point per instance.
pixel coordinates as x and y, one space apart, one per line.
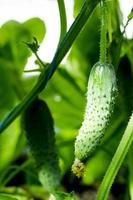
7 95
14 55
8 141
6 197
77 6
92 172
88 43
36 27
130 16
64 196
19 33
64 100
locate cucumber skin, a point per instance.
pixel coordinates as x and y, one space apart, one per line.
100 100
38 124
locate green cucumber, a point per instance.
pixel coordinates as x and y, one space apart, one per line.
100 100
38 124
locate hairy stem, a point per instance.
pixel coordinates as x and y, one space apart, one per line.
103 38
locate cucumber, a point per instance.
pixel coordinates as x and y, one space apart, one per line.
100 100
38 124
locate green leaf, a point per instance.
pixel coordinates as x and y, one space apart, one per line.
6 197
19 33
88 43
14 55
7 95
65 196
130 16
92 172
64 100
77 6
9 140
36 27
14 40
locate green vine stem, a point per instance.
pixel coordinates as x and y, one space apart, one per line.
63 19
116 162
5 180
62 50
103 37
130 167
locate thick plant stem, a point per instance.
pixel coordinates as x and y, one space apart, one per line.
62 50
103 38
116 162
63 19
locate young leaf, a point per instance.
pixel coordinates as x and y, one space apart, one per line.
34 46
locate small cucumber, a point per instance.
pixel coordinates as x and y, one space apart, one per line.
100 100
38 124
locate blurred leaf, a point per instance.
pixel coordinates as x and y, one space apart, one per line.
130 16
77 6
65 101
37 27
14 55
38 192
125 77
8 142
20 33
88 43
64 196
6 197
6 92
95 168
15 192
65 142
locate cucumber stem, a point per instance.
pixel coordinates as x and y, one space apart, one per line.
103 37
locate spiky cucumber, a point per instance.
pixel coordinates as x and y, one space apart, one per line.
38 124
100 100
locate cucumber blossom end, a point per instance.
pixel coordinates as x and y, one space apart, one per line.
78 168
